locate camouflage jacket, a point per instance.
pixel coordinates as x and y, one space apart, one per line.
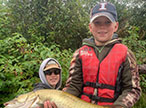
131 90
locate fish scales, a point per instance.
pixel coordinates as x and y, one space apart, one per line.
65 100
60 98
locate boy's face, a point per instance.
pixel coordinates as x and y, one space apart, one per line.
103 29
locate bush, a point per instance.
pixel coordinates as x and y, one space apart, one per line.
138 47
19 64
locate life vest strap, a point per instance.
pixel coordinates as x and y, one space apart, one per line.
97 85
100 99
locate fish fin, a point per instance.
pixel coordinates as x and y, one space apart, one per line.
35 102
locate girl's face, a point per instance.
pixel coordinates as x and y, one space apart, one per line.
53 77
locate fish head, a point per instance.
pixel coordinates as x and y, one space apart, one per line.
24 101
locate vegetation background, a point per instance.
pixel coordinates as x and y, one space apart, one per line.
32 30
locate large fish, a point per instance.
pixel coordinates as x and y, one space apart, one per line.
60 98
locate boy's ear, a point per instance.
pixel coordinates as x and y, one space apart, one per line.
90 27
116 26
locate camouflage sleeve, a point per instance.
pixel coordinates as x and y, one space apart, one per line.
142 69
131 90
75 80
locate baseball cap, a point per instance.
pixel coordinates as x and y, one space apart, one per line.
50 65
104 9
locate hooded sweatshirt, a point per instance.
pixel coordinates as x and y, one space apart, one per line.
44 83
130 77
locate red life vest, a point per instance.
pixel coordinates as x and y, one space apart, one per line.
101 75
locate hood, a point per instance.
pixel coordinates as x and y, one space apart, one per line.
90 41
42 75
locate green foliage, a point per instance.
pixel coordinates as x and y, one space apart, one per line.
5 21
60 22
19 64
135 44
33 30
64 22
138 16
139 48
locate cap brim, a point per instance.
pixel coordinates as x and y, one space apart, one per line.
51 66
106 14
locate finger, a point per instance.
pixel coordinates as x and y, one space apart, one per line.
47 104
50 104
54 105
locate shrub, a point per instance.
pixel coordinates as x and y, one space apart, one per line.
19 64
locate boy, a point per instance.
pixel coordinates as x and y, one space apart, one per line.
103 71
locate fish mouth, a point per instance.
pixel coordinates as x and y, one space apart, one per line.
17 105
25 104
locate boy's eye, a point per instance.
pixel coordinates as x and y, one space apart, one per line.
108 22
99 23
96 22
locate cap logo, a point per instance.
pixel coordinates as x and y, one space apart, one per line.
102 6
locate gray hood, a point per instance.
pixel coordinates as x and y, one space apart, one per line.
42 75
